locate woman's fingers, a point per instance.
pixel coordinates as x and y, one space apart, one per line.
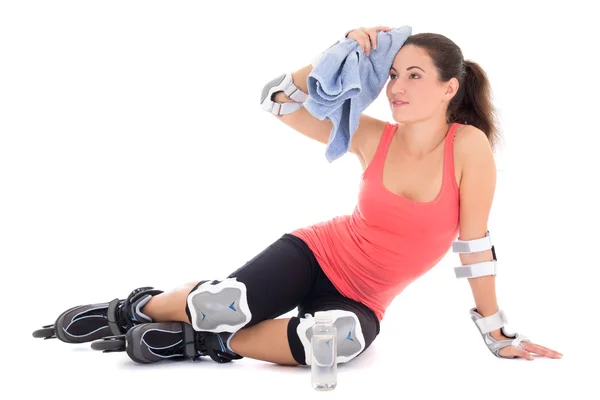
529 348
367 37
365 40
513 351
366 43
541 350
373 36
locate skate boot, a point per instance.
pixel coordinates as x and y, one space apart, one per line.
152 342
91 322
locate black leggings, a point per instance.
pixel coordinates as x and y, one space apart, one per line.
287 275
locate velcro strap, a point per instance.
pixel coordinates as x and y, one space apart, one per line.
519 339
492 322
472 246
295 93
476 270
280 109
189 338
111 317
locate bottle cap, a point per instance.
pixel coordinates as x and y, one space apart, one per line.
323 316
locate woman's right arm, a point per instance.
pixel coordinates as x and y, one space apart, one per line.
301 120
320 130
304 122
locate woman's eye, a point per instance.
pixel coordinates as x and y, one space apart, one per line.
394 76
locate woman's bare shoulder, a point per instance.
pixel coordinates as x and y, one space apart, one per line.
367 135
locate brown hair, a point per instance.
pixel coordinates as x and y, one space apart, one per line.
472 103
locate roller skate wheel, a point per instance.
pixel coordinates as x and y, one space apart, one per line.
110 344
47 332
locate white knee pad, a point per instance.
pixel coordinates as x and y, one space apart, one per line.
350 339
219 306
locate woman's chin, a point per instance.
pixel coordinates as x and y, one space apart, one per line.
401 119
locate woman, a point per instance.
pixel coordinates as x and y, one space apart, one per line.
427 179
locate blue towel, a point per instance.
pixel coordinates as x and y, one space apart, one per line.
344 82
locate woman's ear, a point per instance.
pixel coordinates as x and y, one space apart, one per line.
451 89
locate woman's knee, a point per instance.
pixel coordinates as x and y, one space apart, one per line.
217 306
351 339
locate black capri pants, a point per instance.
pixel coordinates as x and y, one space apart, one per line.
287 275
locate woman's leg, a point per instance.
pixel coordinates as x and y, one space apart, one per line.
286 341
356 328
169 306
269 278
271 284
266 341
357 325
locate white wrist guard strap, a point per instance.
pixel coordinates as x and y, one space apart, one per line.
492 323
474 246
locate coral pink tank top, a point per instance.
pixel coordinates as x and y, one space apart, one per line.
389 240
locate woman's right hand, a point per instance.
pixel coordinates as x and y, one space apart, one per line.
367 37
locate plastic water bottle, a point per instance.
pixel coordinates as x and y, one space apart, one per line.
324 352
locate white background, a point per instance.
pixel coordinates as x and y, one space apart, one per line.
133 152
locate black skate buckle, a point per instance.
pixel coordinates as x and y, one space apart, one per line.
111 316
193 347
138 290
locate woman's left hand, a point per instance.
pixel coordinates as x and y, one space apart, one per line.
514 351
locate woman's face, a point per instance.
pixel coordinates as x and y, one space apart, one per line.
414 79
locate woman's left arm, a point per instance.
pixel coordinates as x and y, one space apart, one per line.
477 187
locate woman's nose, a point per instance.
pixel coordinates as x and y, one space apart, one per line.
397 87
